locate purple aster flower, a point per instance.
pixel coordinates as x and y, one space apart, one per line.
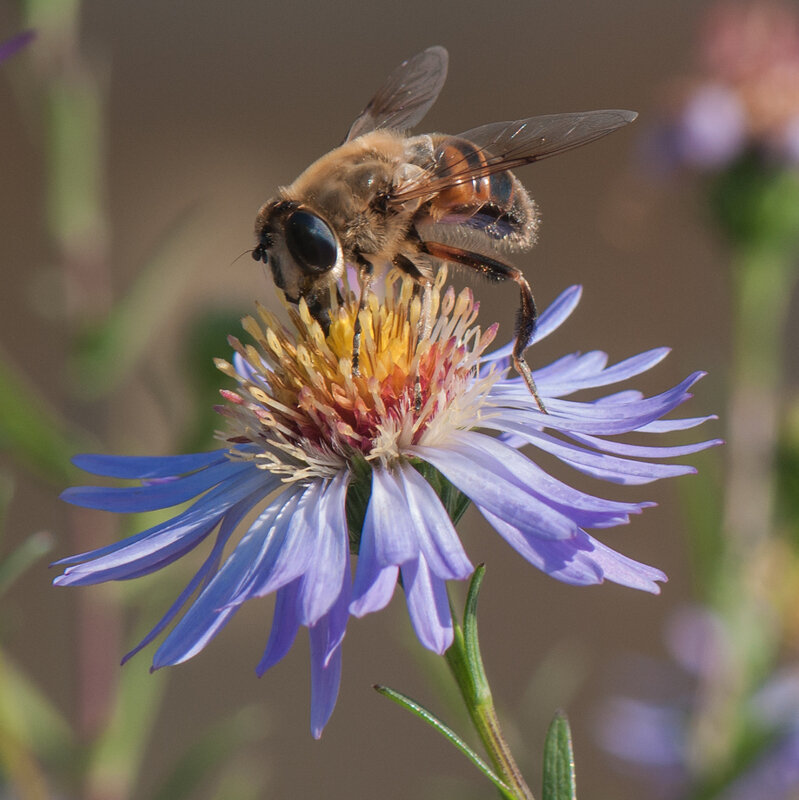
15 43
744 95
335 463
665 739
711 130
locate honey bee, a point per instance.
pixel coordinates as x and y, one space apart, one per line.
384 197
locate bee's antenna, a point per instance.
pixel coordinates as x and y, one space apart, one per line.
250 251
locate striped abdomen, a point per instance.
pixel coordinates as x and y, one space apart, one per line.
496 205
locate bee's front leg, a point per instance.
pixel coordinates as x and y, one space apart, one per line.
365 274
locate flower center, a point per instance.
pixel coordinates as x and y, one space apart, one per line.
302 411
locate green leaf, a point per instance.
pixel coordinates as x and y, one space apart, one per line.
474 660
452 737
205 340
756 203
28 718
108 353
30 551
117 756
453 500
209 753
358 494
559 780
31 432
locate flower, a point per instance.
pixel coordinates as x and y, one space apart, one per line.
744 96
336 462
15 43
672 737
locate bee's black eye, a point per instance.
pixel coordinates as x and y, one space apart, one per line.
311 242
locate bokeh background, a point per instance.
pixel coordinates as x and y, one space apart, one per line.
208 106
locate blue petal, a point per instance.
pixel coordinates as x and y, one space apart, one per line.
394 535
489 483
291 554
548 321
638 451
284 627
428 605
323 580
557 312
584 509
374 583
129 559
339 615
202 576
598 465
211 611
156 495
435 533
588 371
142 467
205 513
602 418
580 561
669 425
325 678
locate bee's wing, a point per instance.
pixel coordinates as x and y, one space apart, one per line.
407 94
507 145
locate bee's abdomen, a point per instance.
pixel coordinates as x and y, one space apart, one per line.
495 205
461 156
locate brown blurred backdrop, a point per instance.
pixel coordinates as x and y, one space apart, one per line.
211 105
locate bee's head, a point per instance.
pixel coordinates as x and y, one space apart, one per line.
299 246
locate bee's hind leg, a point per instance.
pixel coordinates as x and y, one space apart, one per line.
499 271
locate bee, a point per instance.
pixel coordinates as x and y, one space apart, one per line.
387 198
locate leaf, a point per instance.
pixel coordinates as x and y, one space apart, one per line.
30 551
559 780
205 340
453 738
474 661
118 753
108 353
453 500
31 432
28 717
208 753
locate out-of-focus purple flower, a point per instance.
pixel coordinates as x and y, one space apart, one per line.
773 776
711 129
744 97
332 461
14 44
656 735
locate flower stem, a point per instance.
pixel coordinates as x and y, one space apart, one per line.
465 663
763 278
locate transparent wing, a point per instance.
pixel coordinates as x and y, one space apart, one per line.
507 145
406 95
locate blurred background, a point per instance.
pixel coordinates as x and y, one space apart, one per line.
192 114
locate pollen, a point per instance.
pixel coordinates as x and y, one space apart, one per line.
305 412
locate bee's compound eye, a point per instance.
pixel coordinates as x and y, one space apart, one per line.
311 241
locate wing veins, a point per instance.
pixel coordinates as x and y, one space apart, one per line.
508 145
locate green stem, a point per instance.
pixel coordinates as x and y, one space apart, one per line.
763 277
465 663
762 287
